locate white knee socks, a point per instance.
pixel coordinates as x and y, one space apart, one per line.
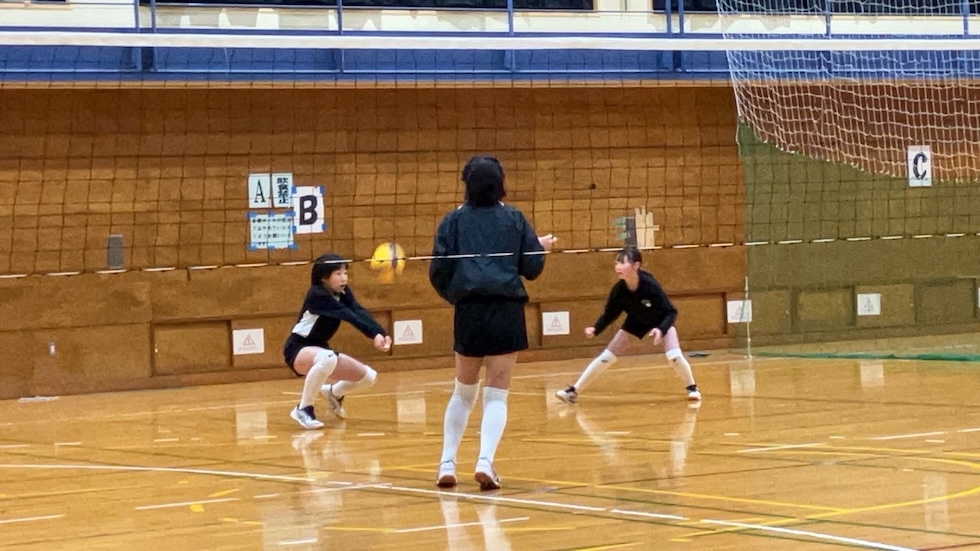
494 421
324 363
598 365
457 415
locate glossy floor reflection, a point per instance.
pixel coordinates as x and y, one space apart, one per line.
782 454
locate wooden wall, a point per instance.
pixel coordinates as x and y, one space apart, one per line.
167 170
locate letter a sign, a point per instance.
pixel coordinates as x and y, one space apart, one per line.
308 209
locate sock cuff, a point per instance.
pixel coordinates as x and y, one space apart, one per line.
607 356
674 353
467 392
491 394
369 377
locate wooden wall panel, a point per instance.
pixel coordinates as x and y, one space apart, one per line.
166 169
90 359
191 348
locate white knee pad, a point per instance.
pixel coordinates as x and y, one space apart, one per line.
325 360
369 377
467 393
673 354
607 357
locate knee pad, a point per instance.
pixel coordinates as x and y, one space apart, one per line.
369 377
673 354
467 393
325 360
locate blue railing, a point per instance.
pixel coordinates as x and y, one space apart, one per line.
101 61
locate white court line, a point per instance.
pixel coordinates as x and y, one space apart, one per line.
901 436
12 446
299 542
234 474
166 439
648 515
814 535
498 499
458 525
67 443
785 447
184 503
344 487
969 430
29 519
637 368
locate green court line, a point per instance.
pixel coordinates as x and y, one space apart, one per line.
931 356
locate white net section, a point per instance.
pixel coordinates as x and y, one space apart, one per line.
854 105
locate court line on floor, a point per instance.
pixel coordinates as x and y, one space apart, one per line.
636 368
30 519
457 525
402 489
851 450
781 447
808 534
232 474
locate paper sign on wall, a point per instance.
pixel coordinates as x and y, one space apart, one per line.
739 311
408 332
869 304
555 323
248 341
259 191
308 209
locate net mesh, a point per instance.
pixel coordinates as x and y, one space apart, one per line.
854 231
157 157
860 108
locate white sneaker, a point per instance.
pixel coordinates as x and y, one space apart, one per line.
336 404
693 393
447 475
568 395
486 476
306 418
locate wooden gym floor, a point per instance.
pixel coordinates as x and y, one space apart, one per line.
782 454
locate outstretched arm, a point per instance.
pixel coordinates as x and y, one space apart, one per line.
614 307
531 265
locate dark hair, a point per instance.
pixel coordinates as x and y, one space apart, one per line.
629 254
484 179
325 266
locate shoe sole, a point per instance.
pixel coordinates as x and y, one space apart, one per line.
342 415
566 399
292 414
447 481
487 482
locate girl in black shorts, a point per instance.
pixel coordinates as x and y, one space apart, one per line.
307 352
648 312
482 250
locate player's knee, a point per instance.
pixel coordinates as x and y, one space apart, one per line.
492 394
674 354
607 357
369 377
325 360
467 393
